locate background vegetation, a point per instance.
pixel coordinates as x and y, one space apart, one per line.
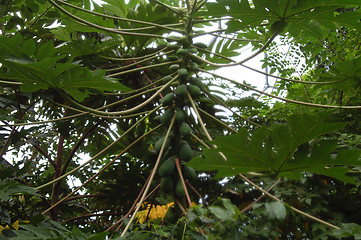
89 93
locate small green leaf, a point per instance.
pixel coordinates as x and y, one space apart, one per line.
220 213
276 210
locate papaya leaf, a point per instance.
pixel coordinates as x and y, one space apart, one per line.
7 190
77 81
306 17
282 150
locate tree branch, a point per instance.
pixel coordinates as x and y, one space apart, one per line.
293 208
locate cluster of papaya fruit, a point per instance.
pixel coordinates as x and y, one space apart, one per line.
175 103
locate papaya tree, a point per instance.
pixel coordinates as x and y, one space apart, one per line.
117 120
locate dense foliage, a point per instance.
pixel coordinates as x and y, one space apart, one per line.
117 120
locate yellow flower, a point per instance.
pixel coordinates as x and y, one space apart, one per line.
15 225
155 212
2 228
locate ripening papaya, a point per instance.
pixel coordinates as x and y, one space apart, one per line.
185 152
167 167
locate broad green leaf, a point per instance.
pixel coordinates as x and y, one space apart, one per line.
282 150
78 81
28 47
33 75
46 50
7 190
98 236
220 213
307 16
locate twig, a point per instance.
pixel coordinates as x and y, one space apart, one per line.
281 98
37 147
99 172
294 209
197 193
99 153
180 206
85 108
130 210
91 215
259 198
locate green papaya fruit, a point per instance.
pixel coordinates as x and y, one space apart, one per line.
172 46
159 143
200 45
185 129
166 79
185 152
158 8
189 173
171 58
183 73
184 39
167 116
181 91
182 51
196 59
174 67
194 90
167 167
194 66
168 99
179 189
157 118
193 50
180 116
166 184
197 82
